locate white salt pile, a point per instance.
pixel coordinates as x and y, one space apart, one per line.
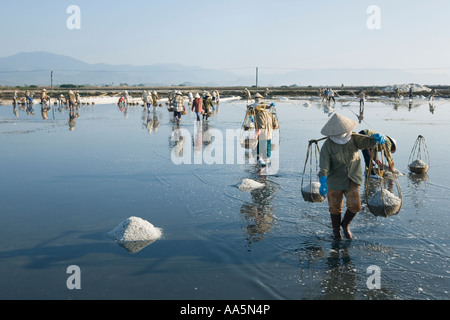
310 192
418 164
312 188
405 88
135 229
384 198
249 185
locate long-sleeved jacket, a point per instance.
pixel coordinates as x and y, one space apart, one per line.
264 122
197 105
207 103
341 162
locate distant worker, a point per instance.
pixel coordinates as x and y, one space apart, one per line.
147 97
197 103
432 94
178 106
44 96
325 94
127 97
396 93
362 98
207 106
248 95
216 97
28 97
62 99
15 97
331 95
77 99
410 92
266 93
155 99
71 99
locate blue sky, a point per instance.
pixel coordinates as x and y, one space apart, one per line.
282 34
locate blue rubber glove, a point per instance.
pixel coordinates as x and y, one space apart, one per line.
379 138
323 190
272 104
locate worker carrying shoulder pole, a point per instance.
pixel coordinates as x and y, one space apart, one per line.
340 171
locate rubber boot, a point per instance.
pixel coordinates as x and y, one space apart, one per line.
336 224
348 217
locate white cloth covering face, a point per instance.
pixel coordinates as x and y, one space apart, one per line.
342 138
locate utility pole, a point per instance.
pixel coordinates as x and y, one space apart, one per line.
51 80
256 77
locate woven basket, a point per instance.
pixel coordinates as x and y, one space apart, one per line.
311 194
419 170
312 197
248 143
383 203
384 211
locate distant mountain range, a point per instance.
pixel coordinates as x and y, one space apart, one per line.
34 68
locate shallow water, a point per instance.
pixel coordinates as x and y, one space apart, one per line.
63 190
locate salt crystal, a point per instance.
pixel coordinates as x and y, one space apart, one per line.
135 229
249 184
418 164
384 198
312 188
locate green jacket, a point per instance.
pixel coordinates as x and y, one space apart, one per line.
341 162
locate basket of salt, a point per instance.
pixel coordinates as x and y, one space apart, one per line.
419 159
249 143
383 196
384 203
310 191
418 166
248 132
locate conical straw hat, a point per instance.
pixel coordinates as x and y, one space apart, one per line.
338 125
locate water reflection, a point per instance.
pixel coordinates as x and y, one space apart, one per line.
340 280
150 120
177 141
74 114
432 107
361 113
258 215
417 183
44 111
135 246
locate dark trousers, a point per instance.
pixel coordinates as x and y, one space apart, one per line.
268 151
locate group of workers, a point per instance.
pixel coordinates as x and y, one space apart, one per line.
72 99
327 94
340 172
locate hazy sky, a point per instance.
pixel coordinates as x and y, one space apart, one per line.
281 34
